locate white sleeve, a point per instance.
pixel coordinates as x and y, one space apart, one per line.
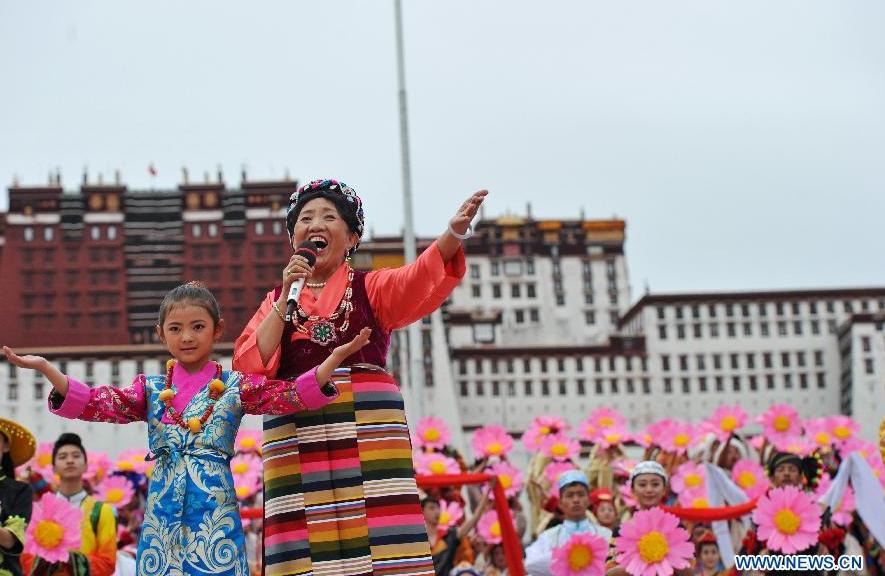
539 554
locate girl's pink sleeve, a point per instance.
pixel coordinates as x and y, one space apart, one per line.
247 356
102 403
400 296
258 395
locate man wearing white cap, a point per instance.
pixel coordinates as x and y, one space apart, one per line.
574 500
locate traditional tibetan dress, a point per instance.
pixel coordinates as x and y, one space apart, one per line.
192 518
16 501
340 492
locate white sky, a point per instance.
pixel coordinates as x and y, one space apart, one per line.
742 141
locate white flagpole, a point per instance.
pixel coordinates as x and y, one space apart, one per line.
416 361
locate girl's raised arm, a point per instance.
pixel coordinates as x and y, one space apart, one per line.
42 365
75 400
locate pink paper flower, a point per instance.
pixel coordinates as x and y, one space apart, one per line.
450 513
780 421
689 476
798 445
694 498
491 440
608 437
843 428
587 430
644 438
541 427
98 466
725 421
875 462
627 495
750 476
246 485
842 514
604 418
655 428
509 477
434 463
560 447
857 445
132 460
431 433
248 441
874 459
41 463
653 544
54 529
116 491
756 442
788 520
818 431
246 465
489 527
678 437
582 555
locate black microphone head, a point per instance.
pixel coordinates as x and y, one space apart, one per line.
308 250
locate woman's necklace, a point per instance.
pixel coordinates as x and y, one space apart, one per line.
194 424
321 330
315 284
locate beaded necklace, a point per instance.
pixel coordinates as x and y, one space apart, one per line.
194 424
321 330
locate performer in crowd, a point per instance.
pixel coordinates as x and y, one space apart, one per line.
602 505
649 485
574 502
97 554
192 523
451 548
17 446
707 557
340 494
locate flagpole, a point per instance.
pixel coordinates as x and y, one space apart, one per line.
416 361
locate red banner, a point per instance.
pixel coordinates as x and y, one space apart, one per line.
712 514
512 548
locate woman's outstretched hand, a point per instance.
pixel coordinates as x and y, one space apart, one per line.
340 354
345 350
467 211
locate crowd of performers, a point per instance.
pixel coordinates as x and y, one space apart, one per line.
581 506
336 477
692 497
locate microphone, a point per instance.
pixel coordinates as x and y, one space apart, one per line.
308 250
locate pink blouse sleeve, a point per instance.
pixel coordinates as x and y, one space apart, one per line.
259 395
400 296
247 357
102 403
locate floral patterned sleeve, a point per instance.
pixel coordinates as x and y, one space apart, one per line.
102 403
260 395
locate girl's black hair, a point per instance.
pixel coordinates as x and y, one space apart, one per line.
193 293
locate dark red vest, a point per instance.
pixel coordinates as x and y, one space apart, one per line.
299 356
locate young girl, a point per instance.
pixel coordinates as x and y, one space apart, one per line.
192 523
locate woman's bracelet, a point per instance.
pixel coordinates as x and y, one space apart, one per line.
280 314
464 236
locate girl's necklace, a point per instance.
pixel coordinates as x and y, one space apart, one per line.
194 424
